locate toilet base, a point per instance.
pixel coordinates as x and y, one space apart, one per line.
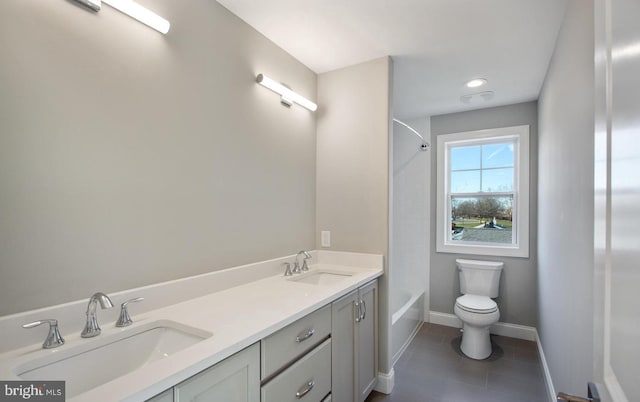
476 342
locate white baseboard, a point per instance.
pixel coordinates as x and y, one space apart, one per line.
551 391
445 319
499 328
514 331
386 382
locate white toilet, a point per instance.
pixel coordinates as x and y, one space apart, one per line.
479 282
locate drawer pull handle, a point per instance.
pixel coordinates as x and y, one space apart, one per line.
358 313
306 389
303 337
364 309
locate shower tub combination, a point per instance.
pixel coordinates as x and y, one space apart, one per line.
409 254
405 321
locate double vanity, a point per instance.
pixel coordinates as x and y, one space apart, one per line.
311 336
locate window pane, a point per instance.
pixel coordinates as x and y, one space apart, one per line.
465 181
497 180
482 219
465 158
497 155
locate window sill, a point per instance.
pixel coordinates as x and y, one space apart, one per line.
507 251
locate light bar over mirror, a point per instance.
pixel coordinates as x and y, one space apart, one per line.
133 10
287 95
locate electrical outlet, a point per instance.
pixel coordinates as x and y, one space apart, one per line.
325 237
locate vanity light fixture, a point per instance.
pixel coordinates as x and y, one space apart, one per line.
286 94
95 5
133 10
477 82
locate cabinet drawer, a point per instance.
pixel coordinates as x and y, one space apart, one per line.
307 380
294 340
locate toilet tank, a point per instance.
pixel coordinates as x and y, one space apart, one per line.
480 278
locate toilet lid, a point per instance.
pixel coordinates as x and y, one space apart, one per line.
476 304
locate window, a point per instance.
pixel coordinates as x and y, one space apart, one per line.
483 192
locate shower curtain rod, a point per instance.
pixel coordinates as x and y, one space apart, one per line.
425 145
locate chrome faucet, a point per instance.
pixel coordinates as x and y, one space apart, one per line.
125 319
54 339
296 266
92 328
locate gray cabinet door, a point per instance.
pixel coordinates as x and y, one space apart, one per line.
343 348
235 379
367 362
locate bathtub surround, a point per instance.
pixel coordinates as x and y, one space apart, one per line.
409 262
518 298
129 158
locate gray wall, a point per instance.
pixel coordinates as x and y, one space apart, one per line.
517 300
353 167
352 157
565 250
128 157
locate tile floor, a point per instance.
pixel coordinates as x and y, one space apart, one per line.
433 369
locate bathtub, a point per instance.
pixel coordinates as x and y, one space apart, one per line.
406 320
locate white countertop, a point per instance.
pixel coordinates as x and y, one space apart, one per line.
237 317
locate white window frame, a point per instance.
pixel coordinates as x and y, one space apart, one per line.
520 247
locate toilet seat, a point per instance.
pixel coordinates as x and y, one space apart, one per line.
476 304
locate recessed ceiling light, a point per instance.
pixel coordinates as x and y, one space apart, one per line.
478 82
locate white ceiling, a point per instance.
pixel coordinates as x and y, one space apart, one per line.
436 45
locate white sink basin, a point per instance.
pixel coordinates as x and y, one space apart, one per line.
99 361
321 277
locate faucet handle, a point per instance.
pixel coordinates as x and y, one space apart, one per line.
54 339
307 256
287 271
125 319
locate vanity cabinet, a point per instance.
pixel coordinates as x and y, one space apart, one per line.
354 344
235 379
330 355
